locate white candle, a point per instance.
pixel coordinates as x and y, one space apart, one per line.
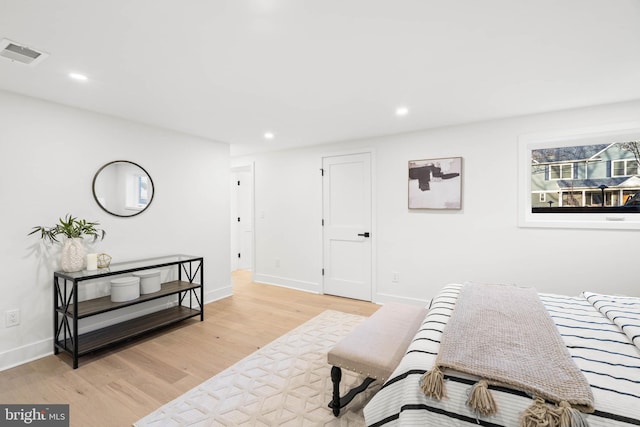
92 261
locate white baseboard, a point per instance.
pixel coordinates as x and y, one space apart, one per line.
384 298
26 353
218 294
29 352
288 283
379 298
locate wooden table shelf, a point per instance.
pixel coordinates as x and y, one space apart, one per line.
101 305
123 331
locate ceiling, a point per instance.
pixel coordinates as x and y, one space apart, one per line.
317 71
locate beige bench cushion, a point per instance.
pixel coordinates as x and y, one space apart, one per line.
376 346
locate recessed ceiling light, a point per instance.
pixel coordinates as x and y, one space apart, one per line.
269 135
402 111
78 76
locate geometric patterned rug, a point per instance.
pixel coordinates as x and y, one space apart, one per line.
285 383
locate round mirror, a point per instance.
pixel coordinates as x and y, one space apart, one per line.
123 188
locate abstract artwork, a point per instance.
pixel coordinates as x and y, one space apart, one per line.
435 183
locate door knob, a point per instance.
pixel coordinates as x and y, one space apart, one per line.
366 234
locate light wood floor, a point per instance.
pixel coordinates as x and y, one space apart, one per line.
120 386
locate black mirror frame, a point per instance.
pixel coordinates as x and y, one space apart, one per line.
93 189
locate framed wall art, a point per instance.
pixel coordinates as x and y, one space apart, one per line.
586 178
435 183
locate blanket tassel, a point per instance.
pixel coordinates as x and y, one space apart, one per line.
541 415
432 384
538 415
481 400
570 417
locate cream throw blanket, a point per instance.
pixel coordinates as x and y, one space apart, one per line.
504 335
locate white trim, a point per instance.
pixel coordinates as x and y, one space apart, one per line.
285 282
384 298
218 294
26 353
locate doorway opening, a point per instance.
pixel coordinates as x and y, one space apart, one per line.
242 218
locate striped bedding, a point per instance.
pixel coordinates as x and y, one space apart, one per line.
600 348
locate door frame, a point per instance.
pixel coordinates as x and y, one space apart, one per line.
374 223
247 167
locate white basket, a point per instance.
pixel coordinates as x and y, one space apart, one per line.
125 289
149 281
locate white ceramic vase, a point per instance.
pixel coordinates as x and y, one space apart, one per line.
74 255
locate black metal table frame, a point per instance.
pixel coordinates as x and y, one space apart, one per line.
67 334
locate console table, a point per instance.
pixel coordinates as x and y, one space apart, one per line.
188 291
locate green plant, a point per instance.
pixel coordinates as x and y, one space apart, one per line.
70 227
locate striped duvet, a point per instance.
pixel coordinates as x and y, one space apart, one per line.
602 348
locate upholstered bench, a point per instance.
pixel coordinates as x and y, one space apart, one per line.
374 348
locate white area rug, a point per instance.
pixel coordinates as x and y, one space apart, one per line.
285 383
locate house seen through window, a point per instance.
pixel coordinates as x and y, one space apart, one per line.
586 177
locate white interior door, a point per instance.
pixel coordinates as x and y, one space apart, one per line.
347 254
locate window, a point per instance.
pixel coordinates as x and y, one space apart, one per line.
611 198
572 198
573 167
561 171
142 182
594 198
627 195
624 167
137 191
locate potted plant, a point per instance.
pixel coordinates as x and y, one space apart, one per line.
73 229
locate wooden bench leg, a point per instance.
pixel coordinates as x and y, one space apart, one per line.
336 377
338 403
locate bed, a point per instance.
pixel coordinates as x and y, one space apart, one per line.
601 334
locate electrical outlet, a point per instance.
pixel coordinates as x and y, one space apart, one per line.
12 318
396 277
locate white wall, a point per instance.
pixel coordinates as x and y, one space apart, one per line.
287 197
48 157
482 242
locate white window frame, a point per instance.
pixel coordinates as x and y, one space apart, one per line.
629 131
626 167
562 167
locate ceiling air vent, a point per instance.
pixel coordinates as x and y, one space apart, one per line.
20 53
